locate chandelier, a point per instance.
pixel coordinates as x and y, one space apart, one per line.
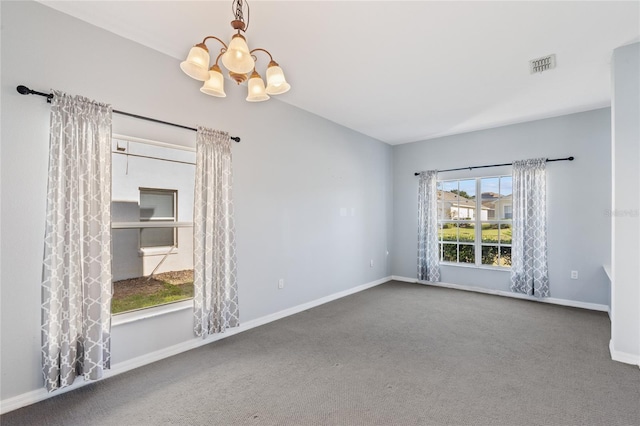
238 59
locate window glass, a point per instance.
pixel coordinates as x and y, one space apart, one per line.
475 228
157 237
151 214
157 204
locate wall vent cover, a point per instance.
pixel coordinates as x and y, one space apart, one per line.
542 64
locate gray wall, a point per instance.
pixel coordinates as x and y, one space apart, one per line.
578 197
293 173
625 327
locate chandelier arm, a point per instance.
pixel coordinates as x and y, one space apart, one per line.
262 50
214 37
219 55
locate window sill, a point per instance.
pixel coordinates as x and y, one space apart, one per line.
470 266
156 251
146 313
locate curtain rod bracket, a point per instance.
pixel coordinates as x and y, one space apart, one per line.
24 90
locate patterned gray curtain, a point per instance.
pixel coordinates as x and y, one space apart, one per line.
76 278
428 248
214 276
529 273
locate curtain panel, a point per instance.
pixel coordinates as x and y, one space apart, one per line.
215 287
428 247
529 272
76 278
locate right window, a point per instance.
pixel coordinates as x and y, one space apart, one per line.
474 221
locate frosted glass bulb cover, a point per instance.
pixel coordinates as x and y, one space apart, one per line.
197 64
276 83
214 86
237 57
256 89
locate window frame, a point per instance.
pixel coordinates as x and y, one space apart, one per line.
166 222
477 223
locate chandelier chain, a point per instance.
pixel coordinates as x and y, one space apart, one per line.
237 8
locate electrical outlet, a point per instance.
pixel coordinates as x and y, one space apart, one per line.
371 263
281 283
574 275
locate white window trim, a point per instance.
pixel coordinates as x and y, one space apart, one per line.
151 312
150 224
158 251
472 266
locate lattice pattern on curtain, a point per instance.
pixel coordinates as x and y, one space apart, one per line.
428 247
76 279
215 288
529 272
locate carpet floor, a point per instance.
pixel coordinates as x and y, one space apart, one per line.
396 354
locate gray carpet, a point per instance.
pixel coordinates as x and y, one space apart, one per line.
396 354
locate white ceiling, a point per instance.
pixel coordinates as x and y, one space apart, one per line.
404 71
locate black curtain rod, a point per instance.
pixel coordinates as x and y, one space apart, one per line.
495 165
24 90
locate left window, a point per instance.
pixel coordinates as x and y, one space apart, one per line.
152 221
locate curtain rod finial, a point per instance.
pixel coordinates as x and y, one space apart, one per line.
23 90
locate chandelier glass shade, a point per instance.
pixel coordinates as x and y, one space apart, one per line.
276 83
214 86
239 60
257 91
197 63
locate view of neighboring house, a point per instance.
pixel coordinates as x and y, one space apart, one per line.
455 206
499 206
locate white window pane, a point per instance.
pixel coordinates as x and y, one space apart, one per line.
156 204
450 199
505 233
466 254
468 189
467 199
490 193
467 232
505 203
506 188
156 237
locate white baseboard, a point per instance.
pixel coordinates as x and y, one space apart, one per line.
625 357
41 394
552 300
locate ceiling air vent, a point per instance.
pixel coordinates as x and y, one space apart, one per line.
542 64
